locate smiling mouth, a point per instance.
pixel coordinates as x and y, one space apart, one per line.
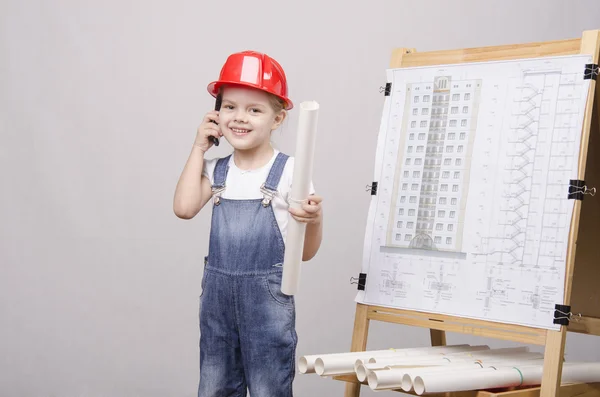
240 131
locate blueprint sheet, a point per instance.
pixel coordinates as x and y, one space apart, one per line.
471 216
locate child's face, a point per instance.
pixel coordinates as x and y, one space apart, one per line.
247 117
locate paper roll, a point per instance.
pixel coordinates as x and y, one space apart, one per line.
306 364
394 378
328 365
467 351
411 373
414 351
488 378
303 168
348 362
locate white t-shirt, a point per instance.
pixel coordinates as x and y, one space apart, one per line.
245 185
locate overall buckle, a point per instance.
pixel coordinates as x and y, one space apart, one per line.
267 195
216 192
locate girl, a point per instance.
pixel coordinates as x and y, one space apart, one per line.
247 325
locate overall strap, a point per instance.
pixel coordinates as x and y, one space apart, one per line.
269 188
276 171
220 176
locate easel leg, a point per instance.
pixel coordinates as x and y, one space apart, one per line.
553 362
438 338
359 343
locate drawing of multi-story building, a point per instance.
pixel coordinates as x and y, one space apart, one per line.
432 173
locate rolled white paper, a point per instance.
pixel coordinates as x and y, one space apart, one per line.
425 361
398 377
393 378
364 370
411 373
415 351
463 351
511 358
340 365
486 378
504 351
303 168
306 364
428 361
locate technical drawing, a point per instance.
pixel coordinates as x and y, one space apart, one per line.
471 216
433 164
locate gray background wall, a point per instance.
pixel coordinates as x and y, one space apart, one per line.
99 103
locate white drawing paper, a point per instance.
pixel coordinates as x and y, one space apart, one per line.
471 216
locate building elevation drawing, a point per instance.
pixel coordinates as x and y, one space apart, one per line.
471 216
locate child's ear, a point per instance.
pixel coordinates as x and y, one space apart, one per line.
279 119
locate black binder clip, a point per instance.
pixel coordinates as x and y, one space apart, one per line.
372 188
387 90
563 314
591 71
361 281
578 189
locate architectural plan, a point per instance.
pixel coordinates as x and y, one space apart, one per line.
471 216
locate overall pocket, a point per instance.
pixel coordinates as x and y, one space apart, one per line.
204 277
273 283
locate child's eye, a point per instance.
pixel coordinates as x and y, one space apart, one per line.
228 106
255 110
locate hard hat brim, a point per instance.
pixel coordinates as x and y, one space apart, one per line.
213 89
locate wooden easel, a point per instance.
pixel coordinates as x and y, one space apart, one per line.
582 292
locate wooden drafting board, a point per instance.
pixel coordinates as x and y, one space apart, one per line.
582 290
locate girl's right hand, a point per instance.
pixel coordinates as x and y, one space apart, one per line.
209 127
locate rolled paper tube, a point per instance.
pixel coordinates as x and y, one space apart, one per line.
328 365
436 361
572 372
486 351
410 373
415 351
393 378
505 350
429 364
306 364
381 362
406 383
340 363
337 364
363 370
497 357
510 357
463 351
475 379
521 357
303 168
487 378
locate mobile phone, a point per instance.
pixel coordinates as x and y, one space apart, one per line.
215 140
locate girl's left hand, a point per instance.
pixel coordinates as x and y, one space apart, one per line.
310 212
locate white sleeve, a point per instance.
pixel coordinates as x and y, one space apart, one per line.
208 169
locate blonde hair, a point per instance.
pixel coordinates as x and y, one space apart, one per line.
277 104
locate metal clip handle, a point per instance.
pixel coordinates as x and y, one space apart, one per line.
568 316
267 195
216 192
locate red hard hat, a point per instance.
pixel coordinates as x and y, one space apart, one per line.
256 70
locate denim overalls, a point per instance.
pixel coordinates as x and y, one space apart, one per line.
247 325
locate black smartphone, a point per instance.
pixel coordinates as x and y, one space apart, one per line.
215 140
